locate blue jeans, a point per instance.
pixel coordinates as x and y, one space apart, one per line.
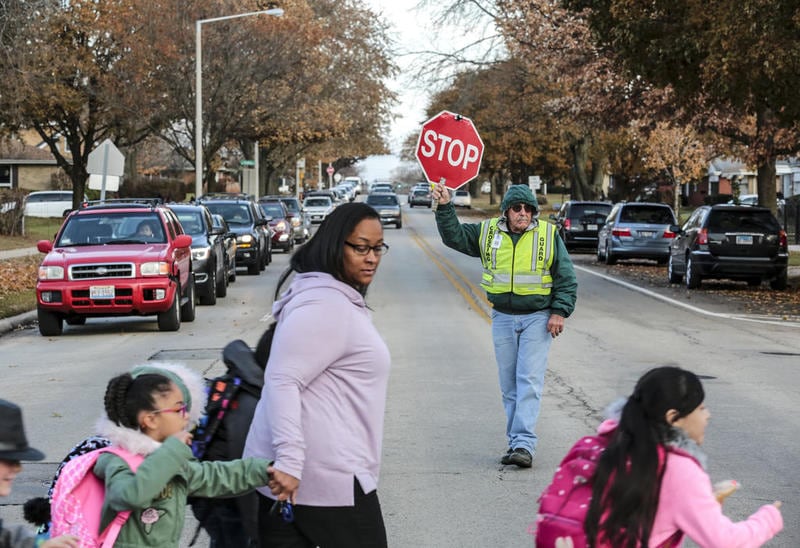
521 346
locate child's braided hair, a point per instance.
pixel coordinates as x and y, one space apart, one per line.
126 396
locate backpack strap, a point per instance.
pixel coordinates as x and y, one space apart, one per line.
225 396
109 536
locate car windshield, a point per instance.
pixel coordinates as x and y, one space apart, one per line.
273 210
317 202
382 200
647 214
191 222
291 205
112 228
733 221
420 192
234 214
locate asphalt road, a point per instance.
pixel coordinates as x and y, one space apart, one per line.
441 483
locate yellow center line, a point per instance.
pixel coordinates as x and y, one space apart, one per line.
455 277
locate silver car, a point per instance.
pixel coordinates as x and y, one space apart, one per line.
636 230
317 208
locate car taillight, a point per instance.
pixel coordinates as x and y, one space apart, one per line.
621 232
567 224
669 234
702 237
783 242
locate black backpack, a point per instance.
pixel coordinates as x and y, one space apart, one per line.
222 431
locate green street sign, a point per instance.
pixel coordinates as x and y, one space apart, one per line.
247 163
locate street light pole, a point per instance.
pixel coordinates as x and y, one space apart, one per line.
198 107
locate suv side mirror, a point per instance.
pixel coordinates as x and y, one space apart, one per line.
676 229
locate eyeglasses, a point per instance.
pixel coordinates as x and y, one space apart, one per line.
181 410
516 208
379 250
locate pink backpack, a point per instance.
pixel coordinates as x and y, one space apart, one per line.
78 496
564 503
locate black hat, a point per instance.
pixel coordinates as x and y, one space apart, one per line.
13 444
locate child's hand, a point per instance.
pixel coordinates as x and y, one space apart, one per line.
64 541
184 437
282 485
724 489
777 504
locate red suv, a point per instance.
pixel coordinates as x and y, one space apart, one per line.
116 259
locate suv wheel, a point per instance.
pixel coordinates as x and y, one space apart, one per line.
50 323
692 276
210 295
754 281
599 255
610 259
255 267
170 320
674 277
188 308
232 277
780 282
222 283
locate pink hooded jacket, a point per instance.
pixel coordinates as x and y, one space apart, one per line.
687 505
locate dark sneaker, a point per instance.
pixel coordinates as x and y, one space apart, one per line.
521 457
506 456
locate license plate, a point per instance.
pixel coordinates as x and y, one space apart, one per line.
744 239
591 227
101 292
646 233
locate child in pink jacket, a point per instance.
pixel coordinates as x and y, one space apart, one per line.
650 487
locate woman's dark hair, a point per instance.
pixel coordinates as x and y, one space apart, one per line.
127 396
324 252
627 482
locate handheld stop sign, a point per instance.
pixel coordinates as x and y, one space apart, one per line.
449 149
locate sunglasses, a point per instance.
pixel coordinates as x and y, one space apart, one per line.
181 410
516 208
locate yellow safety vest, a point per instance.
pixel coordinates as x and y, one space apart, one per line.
523 269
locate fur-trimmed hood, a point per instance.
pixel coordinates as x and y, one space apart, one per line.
191 384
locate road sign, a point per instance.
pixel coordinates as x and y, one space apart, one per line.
450 149
106 160
247 163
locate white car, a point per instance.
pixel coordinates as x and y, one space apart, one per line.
48 203
317 208
461 198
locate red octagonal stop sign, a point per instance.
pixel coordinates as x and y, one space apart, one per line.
450 149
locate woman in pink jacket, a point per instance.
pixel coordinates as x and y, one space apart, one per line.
650 487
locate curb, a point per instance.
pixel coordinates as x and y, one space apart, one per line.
12 323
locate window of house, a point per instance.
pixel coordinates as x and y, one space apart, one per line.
5 177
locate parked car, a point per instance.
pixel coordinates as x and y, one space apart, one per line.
208 251
253 236
636 230
420 196
48 203
388 207
461 198
282 236
730 242
334 195
486 187
579 221
752 200
301 225
103 262
228 244
317 208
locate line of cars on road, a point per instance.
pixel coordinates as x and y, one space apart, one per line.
141 257
722 241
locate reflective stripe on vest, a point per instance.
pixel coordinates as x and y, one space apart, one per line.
523 269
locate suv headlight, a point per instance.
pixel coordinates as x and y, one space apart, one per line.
280 226
51 272
155 269
200 253
244 239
